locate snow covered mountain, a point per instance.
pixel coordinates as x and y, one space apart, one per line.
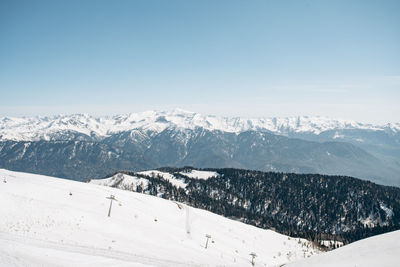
381 250
47 221
82 146
59 127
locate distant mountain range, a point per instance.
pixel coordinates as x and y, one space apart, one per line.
81 146
57 127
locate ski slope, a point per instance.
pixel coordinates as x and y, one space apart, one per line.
381 250
47 221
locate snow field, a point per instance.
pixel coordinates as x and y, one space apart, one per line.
381 250
200 174
43 225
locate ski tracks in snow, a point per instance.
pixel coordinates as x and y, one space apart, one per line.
88 254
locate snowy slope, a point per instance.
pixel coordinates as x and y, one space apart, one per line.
382 250
122 181
47 221
200 174
58 127
128 182
167 176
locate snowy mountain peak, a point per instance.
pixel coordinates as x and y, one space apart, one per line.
49 128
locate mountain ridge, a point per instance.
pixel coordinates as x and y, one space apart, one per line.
201 148
77 144
46 128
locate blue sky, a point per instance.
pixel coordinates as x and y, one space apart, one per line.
234 58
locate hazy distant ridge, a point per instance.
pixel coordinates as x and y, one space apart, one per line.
51 128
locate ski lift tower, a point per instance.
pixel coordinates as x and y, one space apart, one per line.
111 198
253 255
208 237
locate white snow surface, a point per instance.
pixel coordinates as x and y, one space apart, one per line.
128 182
380 250
122 181
46 221
167 176
200 174
56 127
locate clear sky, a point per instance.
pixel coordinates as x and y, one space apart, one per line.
248 58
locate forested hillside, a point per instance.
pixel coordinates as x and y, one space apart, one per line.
307 205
